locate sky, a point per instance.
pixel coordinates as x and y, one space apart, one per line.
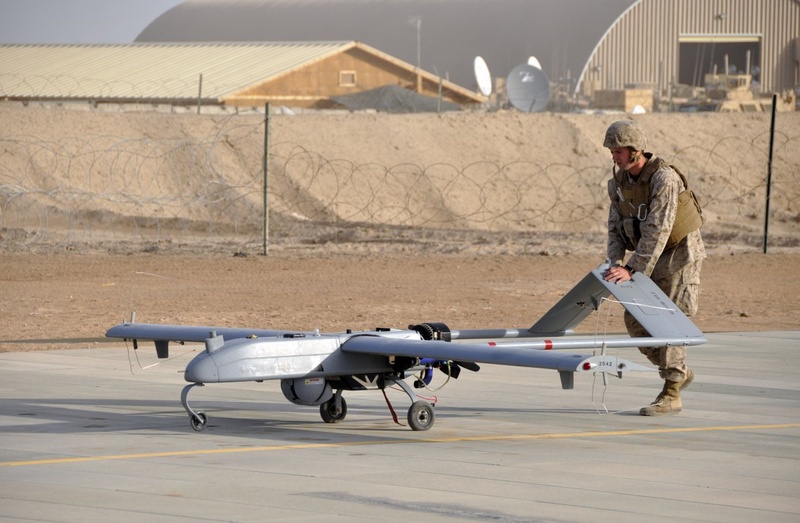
77 21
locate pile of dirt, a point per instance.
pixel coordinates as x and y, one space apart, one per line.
367 183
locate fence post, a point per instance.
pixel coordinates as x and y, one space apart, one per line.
265 167
769 170
199 93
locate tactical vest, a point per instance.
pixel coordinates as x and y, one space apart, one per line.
632 199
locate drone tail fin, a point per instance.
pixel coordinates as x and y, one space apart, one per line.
640 296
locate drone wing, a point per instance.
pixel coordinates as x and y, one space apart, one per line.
163 334
662 319
520 354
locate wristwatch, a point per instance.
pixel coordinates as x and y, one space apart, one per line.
630 269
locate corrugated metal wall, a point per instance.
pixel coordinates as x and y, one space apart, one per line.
642 46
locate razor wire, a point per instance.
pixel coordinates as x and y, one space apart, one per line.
124 193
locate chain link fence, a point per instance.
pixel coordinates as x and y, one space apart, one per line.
121 194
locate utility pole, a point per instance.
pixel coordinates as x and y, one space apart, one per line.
417 22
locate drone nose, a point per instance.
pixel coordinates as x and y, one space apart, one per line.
202 369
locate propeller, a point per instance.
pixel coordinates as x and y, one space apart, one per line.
440 331
451 368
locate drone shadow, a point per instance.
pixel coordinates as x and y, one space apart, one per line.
283 422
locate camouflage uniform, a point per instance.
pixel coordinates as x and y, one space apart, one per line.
675 270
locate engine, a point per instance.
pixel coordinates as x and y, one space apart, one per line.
307 391
432 331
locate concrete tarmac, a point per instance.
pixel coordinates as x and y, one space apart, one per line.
99 434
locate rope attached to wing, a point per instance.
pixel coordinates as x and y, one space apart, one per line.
131 366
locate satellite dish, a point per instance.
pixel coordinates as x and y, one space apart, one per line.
528 88
534 62
482 76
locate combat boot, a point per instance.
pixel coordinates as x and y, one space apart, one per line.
666 403
688 380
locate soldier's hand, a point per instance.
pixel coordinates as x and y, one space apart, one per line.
617 274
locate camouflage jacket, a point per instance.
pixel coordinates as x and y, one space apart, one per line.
650 255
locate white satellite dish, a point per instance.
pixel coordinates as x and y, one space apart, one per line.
528 88
482 76
534 62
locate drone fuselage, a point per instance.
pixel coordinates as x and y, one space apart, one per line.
289 356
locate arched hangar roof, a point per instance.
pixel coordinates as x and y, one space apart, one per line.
656 42
561 34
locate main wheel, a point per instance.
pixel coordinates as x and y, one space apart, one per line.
199 421
329 412
421 415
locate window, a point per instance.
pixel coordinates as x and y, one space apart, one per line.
347 78
702 55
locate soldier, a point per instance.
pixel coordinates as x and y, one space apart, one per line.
645 217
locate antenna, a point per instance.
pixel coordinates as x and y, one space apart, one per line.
482 76
528 88
532 60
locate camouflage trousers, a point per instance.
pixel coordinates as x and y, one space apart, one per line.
683 288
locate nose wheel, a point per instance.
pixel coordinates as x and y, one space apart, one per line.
197 418
199 421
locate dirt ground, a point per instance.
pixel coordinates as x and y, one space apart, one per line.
63 301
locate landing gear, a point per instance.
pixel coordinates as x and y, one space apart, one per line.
335 409
421 415
199 421
197 418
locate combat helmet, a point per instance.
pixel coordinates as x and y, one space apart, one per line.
625 133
